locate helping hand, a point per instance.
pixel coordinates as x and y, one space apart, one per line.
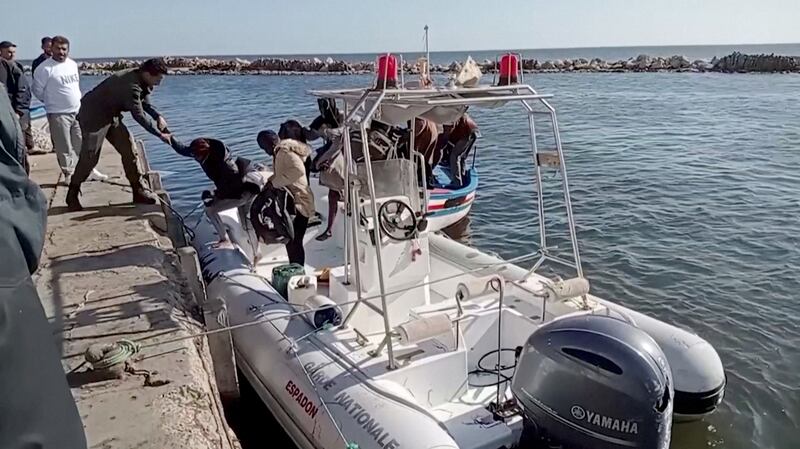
161 124
166 138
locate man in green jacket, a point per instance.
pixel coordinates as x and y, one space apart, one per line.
100 119
36 407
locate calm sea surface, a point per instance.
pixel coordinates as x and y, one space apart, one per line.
686 192
607 53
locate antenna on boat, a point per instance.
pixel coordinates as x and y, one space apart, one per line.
427 50
425 73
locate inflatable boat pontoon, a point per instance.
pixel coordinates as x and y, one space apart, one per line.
396 336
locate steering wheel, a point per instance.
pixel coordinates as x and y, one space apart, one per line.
397 220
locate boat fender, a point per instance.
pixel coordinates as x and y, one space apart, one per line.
421 329
326 312
566 289
475 288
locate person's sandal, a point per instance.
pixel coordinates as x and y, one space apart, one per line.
324 236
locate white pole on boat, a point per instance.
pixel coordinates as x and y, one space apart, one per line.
376 229
539 193
427 56
346 200
501 289
352 194
567 199
412 151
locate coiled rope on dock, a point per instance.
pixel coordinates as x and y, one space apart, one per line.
106 356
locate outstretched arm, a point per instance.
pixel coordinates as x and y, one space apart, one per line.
134 104
148 107
180 147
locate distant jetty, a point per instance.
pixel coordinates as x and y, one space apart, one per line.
733 63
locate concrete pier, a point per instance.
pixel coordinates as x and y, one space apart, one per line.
108 273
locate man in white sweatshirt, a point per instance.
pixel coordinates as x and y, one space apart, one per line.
56 82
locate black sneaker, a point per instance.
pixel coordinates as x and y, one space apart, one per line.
73 202
141 196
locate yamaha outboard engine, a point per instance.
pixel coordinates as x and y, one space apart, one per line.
593 382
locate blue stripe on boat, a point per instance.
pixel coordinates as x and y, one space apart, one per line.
463 191
449 210
37 112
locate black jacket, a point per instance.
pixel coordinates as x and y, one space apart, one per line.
36 62
36 407
17 86
12 141
123 91
223 169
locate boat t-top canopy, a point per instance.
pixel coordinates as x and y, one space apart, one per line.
397 106
441 105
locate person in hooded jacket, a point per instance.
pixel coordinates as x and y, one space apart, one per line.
237 180
290 159
36 407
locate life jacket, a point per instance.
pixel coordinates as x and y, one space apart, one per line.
271 215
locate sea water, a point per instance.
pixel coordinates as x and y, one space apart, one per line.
686 195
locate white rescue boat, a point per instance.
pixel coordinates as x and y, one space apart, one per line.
396 336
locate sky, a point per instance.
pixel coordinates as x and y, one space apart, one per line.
106 28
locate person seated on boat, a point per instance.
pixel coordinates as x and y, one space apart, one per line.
237 180
289 163
456 141
425 142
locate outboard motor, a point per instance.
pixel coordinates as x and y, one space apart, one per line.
593 382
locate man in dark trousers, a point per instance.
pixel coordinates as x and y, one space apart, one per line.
46 53
36 407
100 119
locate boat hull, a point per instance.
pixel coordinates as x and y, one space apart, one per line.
320 401
449 206
698 372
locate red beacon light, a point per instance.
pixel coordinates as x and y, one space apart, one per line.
387 71
509 69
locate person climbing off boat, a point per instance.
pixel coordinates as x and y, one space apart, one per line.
291 129
237 180
289 162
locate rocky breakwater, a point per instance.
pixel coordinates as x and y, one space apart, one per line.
734 63
740 63
210 66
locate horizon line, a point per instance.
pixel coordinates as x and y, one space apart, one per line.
192 55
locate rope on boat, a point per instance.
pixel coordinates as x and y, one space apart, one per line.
103 357
348 444
302 312
346 303
181 218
